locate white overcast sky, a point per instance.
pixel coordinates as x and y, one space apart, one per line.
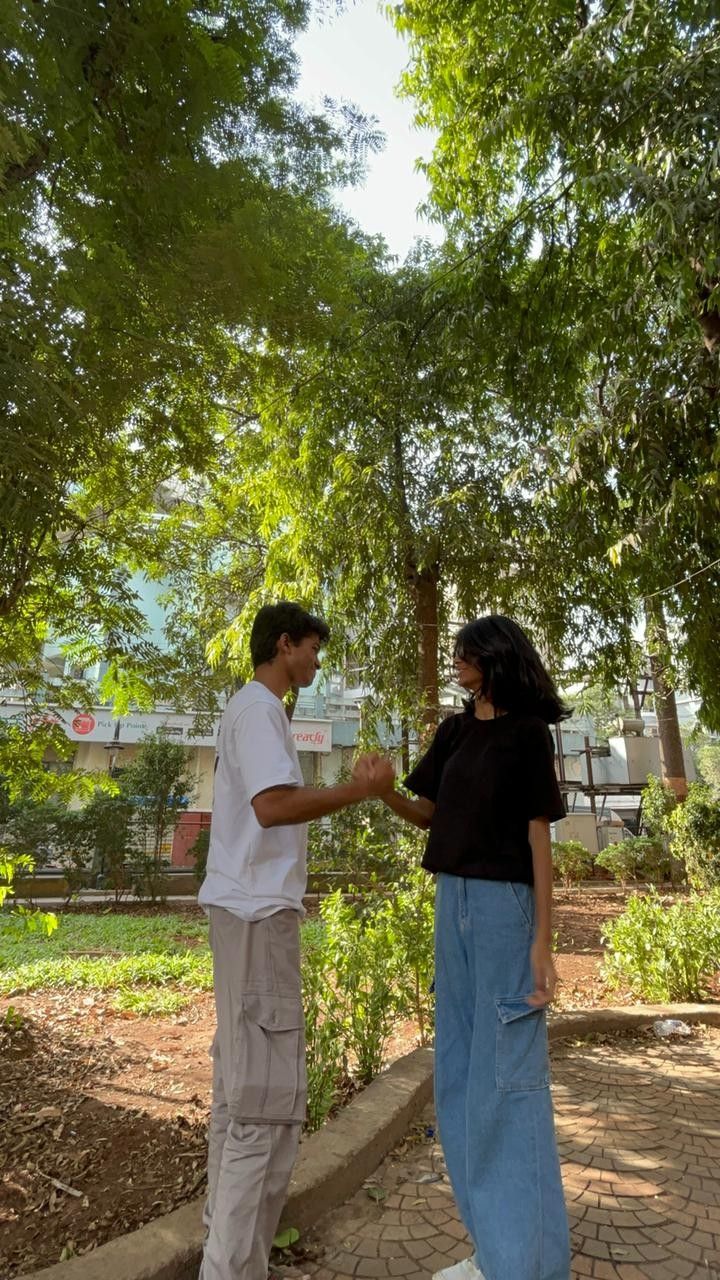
359 56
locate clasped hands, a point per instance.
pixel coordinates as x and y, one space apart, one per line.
374 773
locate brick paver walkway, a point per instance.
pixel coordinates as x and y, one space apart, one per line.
638 1124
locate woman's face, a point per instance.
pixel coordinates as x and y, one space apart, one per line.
468 676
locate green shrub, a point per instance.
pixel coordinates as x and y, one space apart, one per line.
360 954
107 820
635 858
572 862
159 785
664 953
708 762
327 1065
365 965
199 851
695 828
367 836
410 917
658 802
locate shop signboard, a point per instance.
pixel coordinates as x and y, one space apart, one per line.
100 726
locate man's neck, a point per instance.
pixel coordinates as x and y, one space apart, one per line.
272 675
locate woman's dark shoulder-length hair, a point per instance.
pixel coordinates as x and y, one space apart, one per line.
514 677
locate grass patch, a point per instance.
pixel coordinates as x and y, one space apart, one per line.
150 1003
107 953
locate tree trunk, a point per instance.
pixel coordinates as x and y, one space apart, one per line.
405 746
426 595
672 762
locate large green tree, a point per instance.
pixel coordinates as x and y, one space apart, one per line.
164 208
577 148
384 477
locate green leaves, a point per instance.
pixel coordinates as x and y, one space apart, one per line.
284 1239
579 150
161 190
662 952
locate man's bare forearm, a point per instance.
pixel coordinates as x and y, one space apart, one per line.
288 806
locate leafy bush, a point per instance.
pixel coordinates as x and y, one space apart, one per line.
658 802
108 826
359 951
410 916
664 953
326 1057
35 829
695 828
20 920
367 836
159 786
708 761
635 858
365 964
572 862
199 851
26 784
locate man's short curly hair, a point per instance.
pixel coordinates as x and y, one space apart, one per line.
276 620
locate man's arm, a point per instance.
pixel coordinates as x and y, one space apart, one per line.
286 806
541 959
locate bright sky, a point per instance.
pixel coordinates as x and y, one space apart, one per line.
359 56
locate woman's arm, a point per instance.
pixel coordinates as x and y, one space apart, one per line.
419 811
541 958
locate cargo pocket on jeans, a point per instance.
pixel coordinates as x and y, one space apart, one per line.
269 1068
521 1060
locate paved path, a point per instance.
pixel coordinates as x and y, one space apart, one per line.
638 1124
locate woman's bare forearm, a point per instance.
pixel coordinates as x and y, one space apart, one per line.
539 837
419 811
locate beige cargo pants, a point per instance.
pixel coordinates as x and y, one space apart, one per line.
259 1089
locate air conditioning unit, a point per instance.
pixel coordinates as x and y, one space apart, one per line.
630 727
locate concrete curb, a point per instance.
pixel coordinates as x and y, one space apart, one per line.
603 1021
334 1162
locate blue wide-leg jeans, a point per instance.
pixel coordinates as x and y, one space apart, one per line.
492 1081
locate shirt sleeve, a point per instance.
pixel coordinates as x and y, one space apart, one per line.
257 748
424 779
543 793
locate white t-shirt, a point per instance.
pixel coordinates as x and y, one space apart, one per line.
254 871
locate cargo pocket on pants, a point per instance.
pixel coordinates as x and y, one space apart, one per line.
521 1061
269 1061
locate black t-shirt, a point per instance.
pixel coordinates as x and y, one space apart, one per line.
487 780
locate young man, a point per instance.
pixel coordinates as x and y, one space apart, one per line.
253 892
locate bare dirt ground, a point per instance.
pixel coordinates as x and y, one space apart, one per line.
104 1113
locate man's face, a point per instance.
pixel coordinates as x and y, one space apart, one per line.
303 661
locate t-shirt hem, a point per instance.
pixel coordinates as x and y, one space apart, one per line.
250 915
513 875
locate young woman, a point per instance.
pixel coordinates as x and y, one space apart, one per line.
487 791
